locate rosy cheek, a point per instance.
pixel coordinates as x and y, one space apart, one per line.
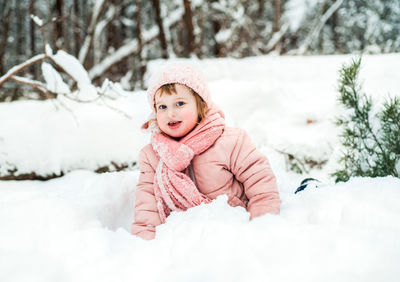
190 118
160 118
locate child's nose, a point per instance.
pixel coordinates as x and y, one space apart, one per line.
171 113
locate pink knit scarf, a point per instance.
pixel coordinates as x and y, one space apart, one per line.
173 189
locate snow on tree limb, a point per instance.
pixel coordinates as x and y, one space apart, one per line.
34 83
83 53
107 62
132 46
276 37
38 21
14 70
71 66
318 27
54 81
110 14
124 51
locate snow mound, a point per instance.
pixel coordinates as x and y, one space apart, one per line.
76 228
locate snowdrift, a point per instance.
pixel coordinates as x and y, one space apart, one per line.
76 227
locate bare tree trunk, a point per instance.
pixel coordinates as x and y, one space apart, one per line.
261 4
161 34
113 31
277 15
32 11
19 29
77 34
190 44
5 23
216 27
336 37
142 65
58 27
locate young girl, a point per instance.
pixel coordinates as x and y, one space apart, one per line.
193 157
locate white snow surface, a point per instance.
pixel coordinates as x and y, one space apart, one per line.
54 80
76 228
72 66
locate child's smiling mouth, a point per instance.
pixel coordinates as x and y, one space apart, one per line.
174 124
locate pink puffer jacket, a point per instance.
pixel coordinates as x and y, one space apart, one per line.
232 166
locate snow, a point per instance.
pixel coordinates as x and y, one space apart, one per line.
76 228
296 10
223 35
38 21
54 80
72 66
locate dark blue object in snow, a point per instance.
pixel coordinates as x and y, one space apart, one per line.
306 182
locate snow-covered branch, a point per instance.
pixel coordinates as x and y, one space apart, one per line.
318 27
14 70
83 53
33 83
132 46
110 14
276 37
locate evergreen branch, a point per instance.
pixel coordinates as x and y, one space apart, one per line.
368 151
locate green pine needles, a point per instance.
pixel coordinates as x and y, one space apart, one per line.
371 139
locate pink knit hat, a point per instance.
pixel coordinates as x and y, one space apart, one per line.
182 74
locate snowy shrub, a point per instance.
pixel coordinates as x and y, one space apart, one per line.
370 138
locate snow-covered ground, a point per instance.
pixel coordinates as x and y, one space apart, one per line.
76 228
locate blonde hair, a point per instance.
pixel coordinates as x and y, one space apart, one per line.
170 89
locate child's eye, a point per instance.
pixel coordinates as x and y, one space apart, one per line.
162 107
180 104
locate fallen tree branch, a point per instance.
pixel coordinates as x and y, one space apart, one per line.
35 84
16 69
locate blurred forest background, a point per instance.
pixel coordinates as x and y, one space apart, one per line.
115 39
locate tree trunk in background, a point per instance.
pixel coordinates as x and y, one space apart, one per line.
188 17
32 11
19 19
216 27
336 37
5 27
113 31
142 65
277 15
261 4
161 34
76 27
58 26
114 41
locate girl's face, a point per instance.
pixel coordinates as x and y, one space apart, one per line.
177 113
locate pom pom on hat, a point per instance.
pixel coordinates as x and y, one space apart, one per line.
182 74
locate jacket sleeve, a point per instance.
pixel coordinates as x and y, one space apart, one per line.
252 169
146 213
